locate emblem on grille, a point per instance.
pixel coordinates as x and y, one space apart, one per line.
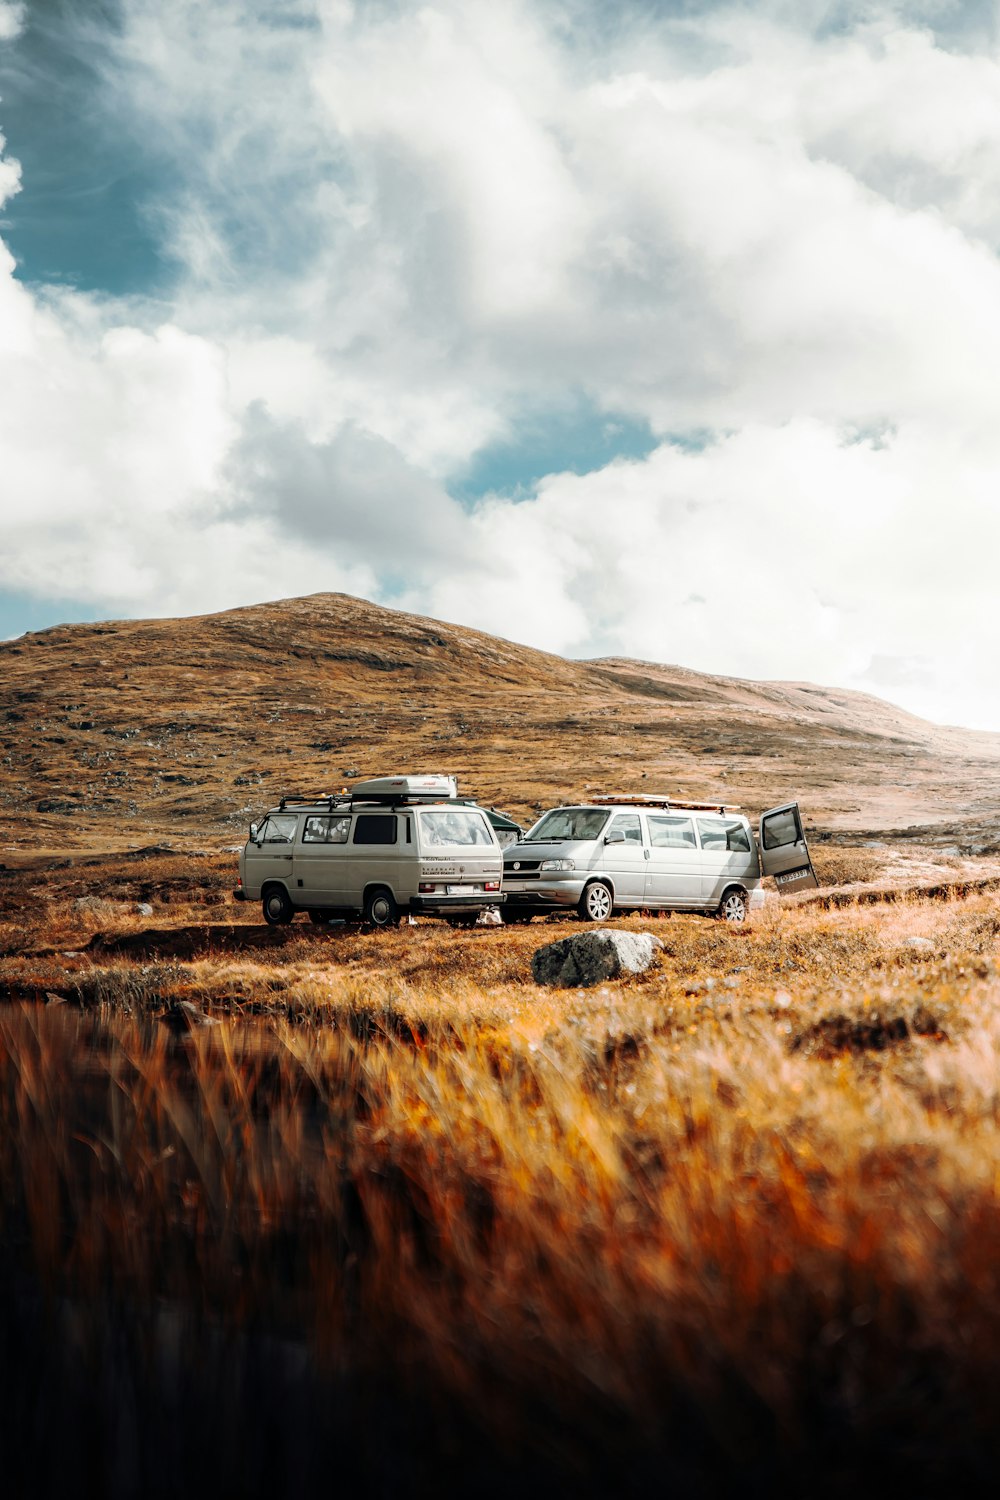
517 864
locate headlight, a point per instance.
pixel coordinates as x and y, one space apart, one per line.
557 864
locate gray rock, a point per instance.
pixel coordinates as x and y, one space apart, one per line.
590 957
144 909
922 944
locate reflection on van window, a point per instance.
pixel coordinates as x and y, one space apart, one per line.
670 833
628 824
781 829
723 833
375 828
277 829
448 828
568 823
326 830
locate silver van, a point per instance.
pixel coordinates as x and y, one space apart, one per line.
393 845
624 853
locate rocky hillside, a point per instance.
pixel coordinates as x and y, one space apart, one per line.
128 733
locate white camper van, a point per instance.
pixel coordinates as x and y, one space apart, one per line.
620 853
392 845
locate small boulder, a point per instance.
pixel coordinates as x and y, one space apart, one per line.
589 958
144 909
921 944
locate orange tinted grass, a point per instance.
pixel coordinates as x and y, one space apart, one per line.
626 1215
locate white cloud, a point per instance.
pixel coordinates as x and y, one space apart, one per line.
11 19
401 228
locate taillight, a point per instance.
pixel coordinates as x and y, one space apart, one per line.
425 886
491 885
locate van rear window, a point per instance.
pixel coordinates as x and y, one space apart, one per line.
454 828
375 828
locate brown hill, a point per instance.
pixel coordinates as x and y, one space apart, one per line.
134 732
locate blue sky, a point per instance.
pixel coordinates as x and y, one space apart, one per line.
660 329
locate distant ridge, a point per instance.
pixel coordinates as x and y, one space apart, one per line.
132 732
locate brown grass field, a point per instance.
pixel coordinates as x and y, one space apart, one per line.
399 1218
296 1210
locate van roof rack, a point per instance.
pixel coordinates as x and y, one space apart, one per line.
382 791
330 799
637 799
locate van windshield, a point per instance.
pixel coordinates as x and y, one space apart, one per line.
567 824
450 829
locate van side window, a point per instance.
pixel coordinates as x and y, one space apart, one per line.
375 828
629 825
670 832
326 830
720 833
713 834
278 829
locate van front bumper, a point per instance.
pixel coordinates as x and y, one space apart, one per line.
545 892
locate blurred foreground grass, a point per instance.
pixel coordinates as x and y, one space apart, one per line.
401 1219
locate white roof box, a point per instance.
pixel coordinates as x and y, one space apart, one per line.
403 788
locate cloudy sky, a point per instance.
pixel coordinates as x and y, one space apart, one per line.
662 329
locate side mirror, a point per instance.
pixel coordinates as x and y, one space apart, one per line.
616 836
253 833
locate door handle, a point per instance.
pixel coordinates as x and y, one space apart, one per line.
645 853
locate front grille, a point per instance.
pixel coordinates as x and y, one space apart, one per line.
527 865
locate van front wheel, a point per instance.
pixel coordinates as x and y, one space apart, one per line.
277 908
596 903
733 906
381 909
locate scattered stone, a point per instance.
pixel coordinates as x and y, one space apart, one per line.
588 958
144 909
184 1015
782 999
921 944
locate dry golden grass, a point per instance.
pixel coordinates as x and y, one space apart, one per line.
402 1216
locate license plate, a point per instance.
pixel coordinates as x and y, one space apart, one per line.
463 890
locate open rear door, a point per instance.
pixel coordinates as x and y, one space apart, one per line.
783 851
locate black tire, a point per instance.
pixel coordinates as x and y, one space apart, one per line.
597 903
380 908
277 907
733 906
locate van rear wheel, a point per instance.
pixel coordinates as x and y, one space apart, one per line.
733 906
381 909
597 902
277 907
